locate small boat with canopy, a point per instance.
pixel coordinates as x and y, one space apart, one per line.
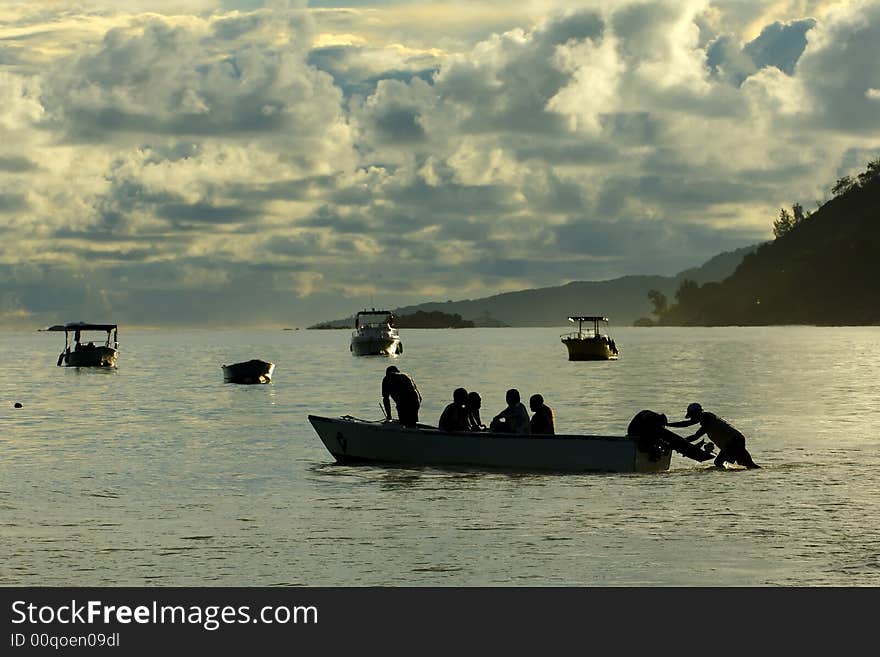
590 343
77 354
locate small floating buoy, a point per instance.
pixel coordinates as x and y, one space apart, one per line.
17 405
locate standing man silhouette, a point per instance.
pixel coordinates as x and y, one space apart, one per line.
402 389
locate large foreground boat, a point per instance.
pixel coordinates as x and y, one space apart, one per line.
250 371
590 344
351 440
374 334
78 354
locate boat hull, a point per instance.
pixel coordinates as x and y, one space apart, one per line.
90 357
373 346
589 349
357 441
249 372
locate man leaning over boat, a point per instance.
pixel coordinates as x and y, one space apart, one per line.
403 390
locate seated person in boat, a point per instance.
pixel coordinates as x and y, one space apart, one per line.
514 418
731 443
650 428
543 421
455 415
473 412
402 389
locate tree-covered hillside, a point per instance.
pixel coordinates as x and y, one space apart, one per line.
822 268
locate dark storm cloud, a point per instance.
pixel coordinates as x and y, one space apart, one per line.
398 125
148 243
12 202
115 210
562 151
16 164
635 239
842 74
575 26
689 191
326 217
296 189
726 60
402 227
780 45
587 237
10 55
631 128
86 251
306 244
456 198
529 83
204 212
636 26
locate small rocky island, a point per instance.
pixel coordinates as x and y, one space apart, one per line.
419 319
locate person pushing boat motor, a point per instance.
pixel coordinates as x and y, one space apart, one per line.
731 443
656 439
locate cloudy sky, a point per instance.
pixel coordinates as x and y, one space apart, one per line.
280 163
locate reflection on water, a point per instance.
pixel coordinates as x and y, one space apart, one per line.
158 473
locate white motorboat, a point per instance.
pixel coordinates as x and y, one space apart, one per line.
351 440
374 334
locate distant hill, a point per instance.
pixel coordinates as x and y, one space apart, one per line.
623 300
346 323
821 269
422 319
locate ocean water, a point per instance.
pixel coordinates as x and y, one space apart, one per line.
158 473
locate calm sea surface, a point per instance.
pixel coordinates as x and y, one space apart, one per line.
159 474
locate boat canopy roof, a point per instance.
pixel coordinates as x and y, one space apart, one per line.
587 318
82 326
374 312
373 317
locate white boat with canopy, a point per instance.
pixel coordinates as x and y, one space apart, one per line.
375 335
590 343
77 354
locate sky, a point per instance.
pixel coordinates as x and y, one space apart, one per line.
248 163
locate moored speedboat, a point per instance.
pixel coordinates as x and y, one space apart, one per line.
590 344
374 334
248 372
77 354
351 440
